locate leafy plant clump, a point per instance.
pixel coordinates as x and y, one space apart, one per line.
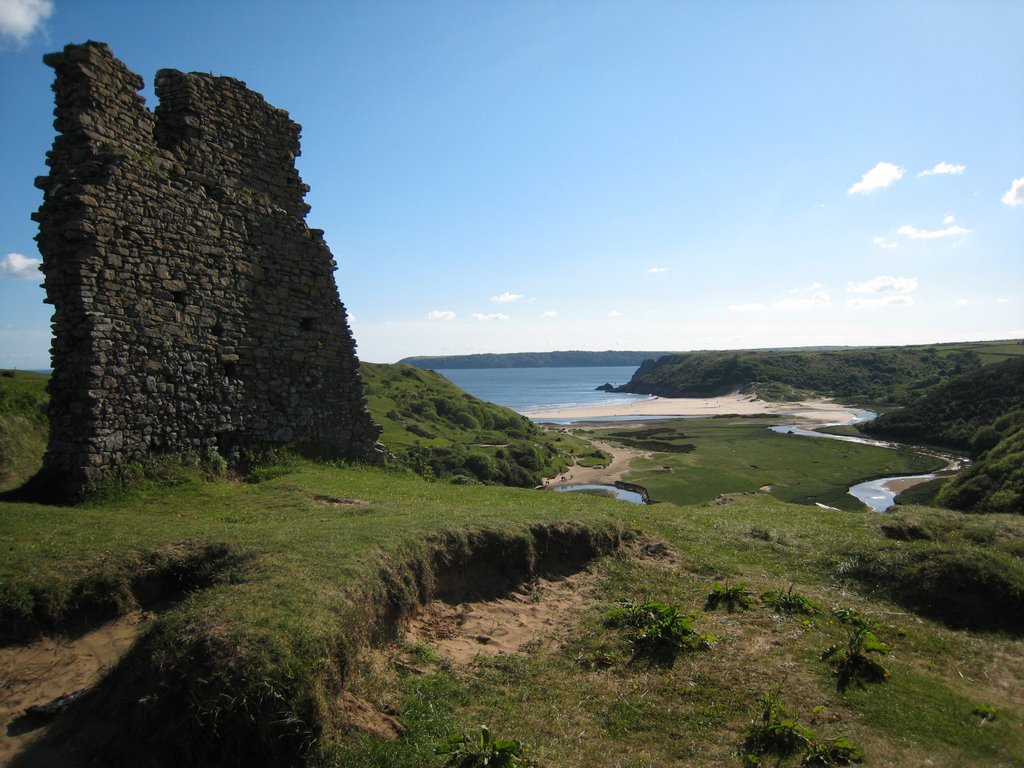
731 597
658 630
790 602
778 734
852 662
465 750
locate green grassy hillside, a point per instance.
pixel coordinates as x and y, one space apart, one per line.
297 588
882 375
23 425
442 432
995 481
951 414
277 601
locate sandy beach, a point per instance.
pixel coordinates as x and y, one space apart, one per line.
809 411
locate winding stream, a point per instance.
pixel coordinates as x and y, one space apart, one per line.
879 494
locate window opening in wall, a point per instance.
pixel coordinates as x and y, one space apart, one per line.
230 370
307 323
178 296
217 329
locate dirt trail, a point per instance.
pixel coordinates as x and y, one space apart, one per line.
619 466
37 674
503 625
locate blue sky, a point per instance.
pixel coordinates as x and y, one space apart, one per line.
529 176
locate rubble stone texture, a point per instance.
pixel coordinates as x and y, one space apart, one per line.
193 307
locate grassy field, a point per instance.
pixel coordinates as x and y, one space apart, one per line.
275 597
695 460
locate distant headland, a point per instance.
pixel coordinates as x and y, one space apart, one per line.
569 359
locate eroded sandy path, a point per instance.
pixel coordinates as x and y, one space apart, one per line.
619 465
36 674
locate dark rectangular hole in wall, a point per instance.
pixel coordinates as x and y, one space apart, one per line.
307 323
178 296
230 370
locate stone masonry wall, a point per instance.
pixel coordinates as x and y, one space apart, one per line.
193 307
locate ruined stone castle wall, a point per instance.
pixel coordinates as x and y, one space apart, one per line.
193 307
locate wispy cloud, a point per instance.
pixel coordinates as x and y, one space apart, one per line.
755 307
1015 194
815 286
945 169
879 177
18 266
20 18
616 313
930 234
441 314
507 298
962 302
492 316
549 313
882 302
657 270
883 242
817 299
884 284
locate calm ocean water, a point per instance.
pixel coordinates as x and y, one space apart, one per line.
528 390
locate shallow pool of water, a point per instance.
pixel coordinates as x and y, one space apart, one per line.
621 494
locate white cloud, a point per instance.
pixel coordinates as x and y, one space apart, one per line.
884 284
883 242
492 316
1015 194
879 177
756 307
930 234
616 313
20 18
815 286
945 169
549 313
885 301
818 299
948 219
441 314
1002 301
961 302
507 298
657 270
18 266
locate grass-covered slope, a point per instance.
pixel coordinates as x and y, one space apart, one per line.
305 572
952 414
23 425
995 481
289 591
883 375
442 432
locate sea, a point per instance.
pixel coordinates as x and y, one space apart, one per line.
529 390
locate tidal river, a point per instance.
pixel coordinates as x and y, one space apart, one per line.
878 494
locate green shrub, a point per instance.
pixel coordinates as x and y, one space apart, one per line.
464 750
778 734
658 630
790 602
731 596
